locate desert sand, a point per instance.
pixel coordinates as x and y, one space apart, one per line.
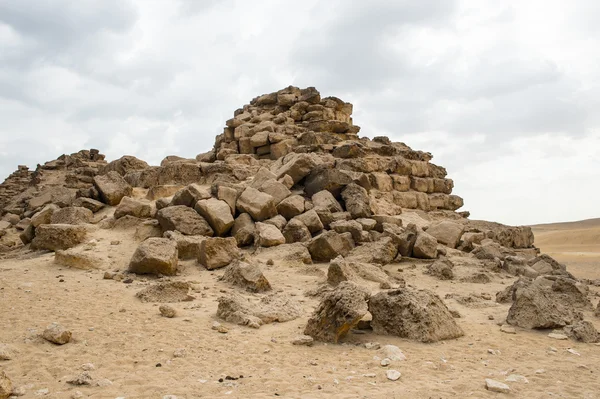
126 340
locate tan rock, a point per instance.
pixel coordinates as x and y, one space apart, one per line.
155 256
296 231
6 386
247 276
58 236
446 232
243 230
134 207
72 215
291 206
44 216
217 213
268 235
329 245
425 246
218 252
259 205
78 259
57 334
112 187
185 220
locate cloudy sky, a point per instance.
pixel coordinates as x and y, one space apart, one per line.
506 95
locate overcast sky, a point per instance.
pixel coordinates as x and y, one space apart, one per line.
505 95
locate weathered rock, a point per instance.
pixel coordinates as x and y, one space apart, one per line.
58 236
329 245
381 252
247 276
78 259
268 235
112 188
277 221
271 308
296 231
124 165
188 247
218 252
297 166
56 334
6 386
155 256
162 191
166 292
407 240
348 226
167 311
583 331
496 386
339 311
190 195
304 340
229 195
572 292
357 201
393 353
441 269
291 206
145 229
89 203
339 270
275 189
324 200
243 230
414 314
425 246
134 207
72 215
325 179
311 220
259 205
447 232
537 307
217 213
44 216
185 220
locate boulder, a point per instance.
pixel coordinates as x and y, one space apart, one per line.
89 203
185 220
6 386
536 306
296 231
259 205
297 166
247 276
124 165
72 215
275 189
155 256
324 200
163 191
166 292
146 228
229 195
413 314
357 201
339 311
56 334
218 252
190 195
425 246
339 270
78 259
447 232
329 245
134 207
277 221
311 220
217 213
348 226
243 230
268 235
381 252
582 331
58 236
325 179
44 216
291 206
442 269
188 247
271 308
112 188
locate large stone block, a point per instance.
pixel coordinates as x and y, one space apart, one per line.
259 205
155 256
112 188
217 213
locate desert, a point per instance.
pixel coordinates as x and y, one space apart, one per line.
295 259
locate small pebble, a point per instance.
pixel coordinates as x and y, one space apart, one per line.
393 375
167 311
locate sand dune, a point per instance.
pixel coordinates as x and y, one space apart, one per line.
576 244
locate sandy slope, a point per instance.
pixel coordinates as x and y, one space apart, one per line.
576 244
125 339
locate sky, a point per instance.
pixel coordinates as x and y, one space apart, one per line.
505 95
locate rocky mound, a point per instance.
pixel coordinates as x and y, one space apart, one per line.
289 179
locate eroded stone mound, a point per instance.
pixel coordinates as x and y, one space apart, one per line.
236 309
414 314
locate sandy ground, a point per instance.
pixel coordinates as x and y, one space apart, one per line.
126 340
